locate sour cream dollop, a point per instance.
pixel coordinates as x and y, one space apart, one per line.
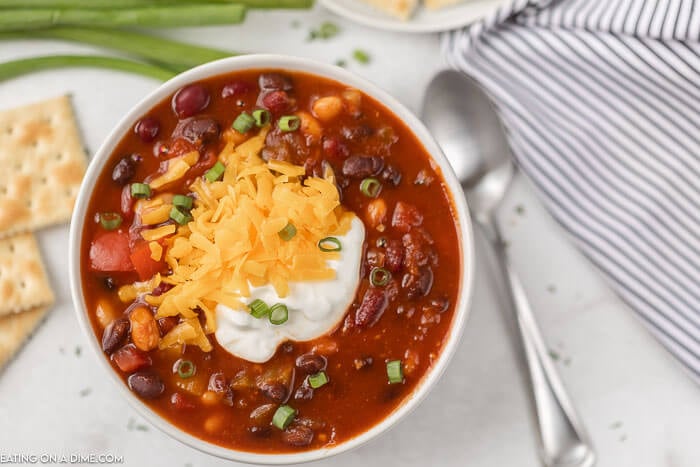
315 308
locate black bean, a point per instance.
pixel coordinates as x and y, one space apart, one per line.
275 81
109 283
304 392
114 334
277 392
418 285
391 175
362 166
298 435
197 130
146 385
125 169
311 363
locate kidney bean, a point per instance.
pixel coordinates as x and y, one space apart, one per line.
311 363
277 392
260 431
165 325
114 334
147 129
130 359
236 89
276 102
374 302
275 81
357 133
418 285
298 435
393 255
125 169
146 385
181 402
418 250
190 100
375 258
161 289
406 216
391 175
333 147
362 166
126 203
197 130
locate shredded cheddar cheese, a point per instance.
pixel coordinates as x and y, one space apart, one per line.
233 242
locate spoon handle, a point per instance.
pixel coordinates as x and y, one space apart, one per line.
564 441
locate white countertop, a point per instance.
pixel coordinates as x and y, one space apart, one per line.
640 407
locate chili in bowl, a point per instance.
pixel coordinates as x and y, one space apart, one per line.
273 259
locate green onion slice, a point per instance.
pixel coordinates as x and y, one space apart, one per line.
243 123
183 202
379 277
262 117
394 371
370 187
259 308
279 314
140 190
288 232
329 244
318 380
185 368
289 123
215 172
180 217
361 56
110 220
283 416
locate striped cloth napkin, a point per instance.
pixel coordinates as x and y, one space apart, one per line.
601 102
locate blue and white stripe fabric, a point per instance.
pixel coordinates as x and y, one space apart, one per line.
601 102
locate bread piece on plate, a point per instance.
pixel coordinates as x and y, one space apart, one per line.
401 9
438 4
16 329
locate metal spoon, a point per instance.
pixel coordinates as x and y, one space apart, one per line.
465 124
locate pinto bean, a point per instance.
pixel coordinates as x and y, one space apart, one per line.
263 414
311 363
374 302
197 130
418 285
144 329
298 435
275 81
125 169
114 334
393 255
362 166
327 108
146 385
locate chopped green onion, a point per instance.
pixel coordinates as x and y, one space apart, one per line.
185 368
325 244
243 123
379 277
394 371
262 117
180 217
183 202
341 63
370 187
283 416
215 172
318 380
140 190
258 308
279 313
110 220
288 232
289 123
361 56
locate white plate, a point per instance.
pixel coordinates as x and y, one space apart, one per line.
423 20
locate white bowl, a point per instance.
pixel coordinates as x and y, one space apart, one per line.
293 64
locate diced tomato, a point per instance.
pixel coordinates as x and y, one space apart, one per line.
145 266
109 252
406 216
130 359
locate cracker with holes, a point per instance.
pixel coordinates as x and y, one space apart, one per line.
23 281
16 329
43 162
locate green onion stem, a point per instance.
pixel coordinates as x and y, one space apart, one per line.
175 55
127 4
14 68
151 16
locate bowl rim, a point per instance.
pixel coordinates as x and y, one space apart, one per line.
294 64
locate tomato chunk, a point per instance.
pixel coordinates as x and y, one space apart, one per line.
130 359
109 252
145 266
